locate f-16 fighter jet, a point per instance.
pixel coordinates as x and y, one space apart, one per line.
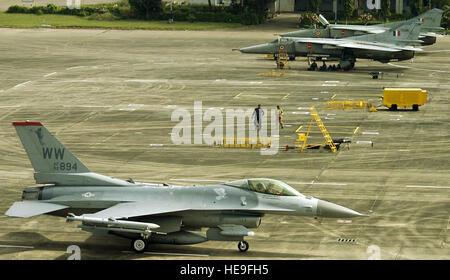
153 213
394 44
431 23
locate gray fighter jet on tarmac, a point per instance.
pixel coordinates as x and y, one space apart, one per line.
431 24
394 44
145 212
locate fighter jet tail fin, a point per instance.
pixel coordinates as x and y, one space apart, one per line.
53 163
46 153
406 34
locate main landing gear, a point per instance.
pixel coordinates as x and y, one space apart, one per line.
139 245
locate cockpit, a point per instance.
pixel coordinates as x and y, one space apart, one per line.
266 186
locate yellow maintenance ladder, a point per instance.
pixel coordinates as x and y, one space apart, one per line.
303 138
283 58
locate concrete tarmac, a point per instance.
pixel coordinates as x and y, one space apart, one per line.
109 96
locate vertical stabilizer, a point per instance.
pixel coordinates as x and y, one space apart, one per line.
46 153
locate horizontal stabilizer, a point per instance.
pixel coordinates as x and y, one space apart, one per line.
29 208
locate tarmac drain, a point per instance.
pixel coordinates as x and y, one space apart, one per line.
346 240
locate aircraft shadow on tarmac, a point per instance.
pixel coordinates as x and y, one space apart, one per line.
112 247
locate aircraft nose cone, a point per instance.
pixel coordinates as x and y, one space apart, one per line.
259 49
331 210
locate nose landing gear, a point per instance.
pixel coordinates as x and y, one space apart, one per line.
243 246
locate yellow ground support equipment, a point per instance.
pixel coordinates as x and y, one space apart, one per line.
303 138
347 105
247 142
404 97
272 74
283 59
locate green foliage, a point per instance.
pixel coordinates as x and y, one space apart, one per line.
348 6
385 9
314 6
148 9
103 16
445 23
16 9
251 12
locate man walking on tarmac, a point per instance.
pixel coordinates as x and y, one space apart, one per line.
258 113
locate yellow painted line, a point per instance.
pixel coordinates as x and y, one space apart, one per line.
354 132
332 97
237 96
300 127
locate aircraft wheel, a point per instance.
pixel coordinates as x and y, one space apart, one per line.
139 245
393 107
415 107
243 246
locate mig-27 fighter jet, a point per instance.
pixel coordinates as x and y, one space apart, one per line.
152 213
431 24
394 44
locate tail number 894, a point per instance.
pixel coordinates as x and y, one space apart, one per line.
64 166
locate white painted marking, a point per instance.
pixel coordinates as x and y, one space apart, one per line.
148 81
404 150
12 106
395 119
324 92
16 246
169 254
50 74
421 69
75 67
304 108
73 81
331 81
329 85
429 187
300 113
156 145
363 142
196 180
88 106
237 82
344 221
22 84
317 183
371 132
327 118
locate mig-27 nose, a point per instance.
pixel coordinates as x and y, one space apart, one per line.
330 210
258 49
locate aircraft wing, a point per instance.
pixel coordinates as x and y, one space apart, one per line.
342 43
363 28
135 209
29 208
356 45
430 34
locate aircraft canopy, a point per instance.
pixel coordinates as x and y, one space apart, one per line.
264 185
